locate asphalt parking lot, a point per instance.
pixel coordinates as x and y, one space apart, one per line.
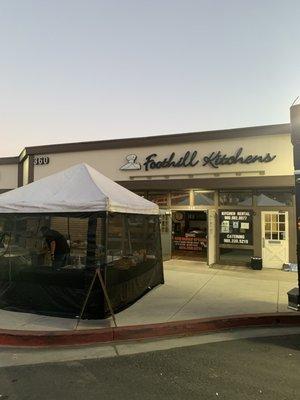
252 368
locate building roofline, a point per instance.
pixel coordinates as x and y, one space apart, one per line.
160 139
189 137
9 160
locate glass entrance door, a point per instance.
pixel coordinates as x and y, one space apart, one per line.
189 231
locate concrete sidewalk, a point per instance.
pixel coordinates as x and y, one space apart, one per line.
192 290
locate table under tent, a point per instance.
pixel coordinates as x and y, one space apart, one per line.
106 227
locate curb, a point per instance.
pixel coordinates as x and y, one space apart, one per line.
21 338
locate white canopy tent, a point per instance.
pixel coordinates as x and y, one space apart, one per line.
90 225
80 188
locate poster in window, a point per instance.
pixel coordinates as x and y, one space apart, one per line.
236 227
225 227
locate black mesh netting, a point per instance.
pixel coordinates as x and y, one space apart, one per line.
47 262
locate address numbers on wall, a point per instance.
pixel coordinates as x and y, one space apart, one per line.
41 160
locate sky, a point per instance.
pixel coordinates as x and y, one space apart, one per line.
92 70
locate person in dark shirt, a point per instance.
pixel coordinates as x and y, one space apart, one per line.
58 246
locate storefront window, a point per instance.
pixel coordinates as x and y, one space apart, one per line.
274 199
180 199
161 199
275 226
204 198
238 256
235 199
236 227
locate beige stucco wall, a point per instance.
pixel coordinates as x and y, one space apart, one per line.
109 161
8 176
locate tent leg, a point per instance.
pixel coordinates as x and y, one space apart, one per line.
106 296
86 300
97 273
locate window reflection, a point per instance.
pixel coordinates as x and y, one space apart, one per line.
204 198
235 198
274 199
180 199
161 199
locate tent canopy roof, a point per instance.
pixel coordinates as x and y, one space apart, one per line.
77 189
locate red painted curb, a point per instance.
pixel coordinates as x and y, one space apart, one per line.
139 332
202 325
58 338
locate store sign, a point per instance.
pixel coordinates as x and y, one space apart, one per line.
131 163
188 160
236 227
216 158
191 159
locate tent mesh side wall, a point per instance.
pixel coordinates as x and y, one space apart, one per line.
125 246
134 257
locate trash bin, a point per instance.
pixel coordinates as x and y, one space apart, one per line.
294 299
256 263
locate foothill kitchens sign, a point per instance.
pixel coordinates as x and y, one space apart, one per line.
190 159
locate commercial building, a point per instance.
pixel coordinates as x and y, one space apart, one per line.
225 195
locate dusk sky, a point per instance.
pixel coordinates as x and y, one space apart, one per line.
91 70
